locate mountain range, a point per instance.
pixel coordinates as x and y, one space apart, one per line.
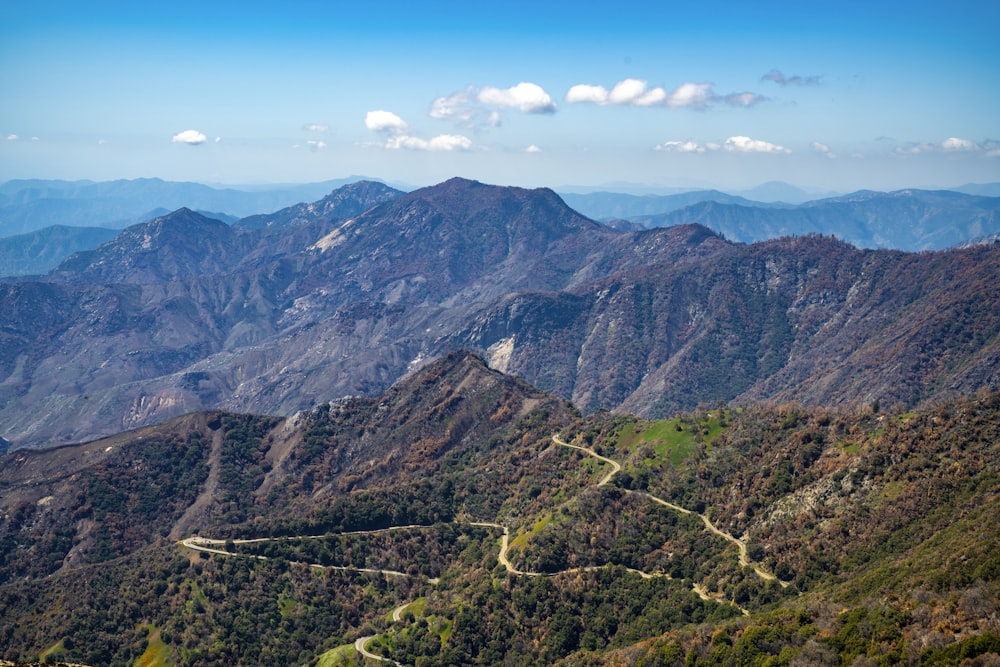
911 220
317 302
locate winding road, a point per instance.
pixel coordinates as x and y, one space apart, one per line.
217 546
744 560
211 546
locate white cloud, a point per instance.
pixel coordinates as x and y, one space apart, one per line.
822 149
316 127
682 147
11 137
190 137
526 97
442 142
101 142
782 80
691 96
635 93
316 145
630 92
384 121
956 144
218 139
584 93
741 144
472 107
457 106
532 149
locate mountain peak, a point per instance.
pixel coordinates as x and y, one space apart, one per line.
173 246
182 217
342 203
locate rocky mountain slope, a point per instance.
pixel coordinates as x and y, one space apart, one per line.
179 245
443 522
278 319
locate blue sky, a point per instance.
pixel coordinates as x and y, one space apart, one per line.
824 95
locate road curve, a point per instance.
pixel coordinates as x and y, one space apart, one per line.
361 642
397 613
615 466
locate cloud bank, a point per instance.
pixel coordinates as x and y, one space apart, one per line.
397 134
442 142
735 144
479 107
636 92
949 145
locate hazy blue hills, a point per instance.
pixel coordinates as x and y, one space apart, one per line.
43 249
613 205
905 220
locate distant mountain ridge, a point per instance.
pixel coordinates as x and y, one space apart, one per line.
911 220
161 322
27 205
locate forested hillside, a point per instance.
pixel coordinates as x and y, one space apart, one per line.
463 517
